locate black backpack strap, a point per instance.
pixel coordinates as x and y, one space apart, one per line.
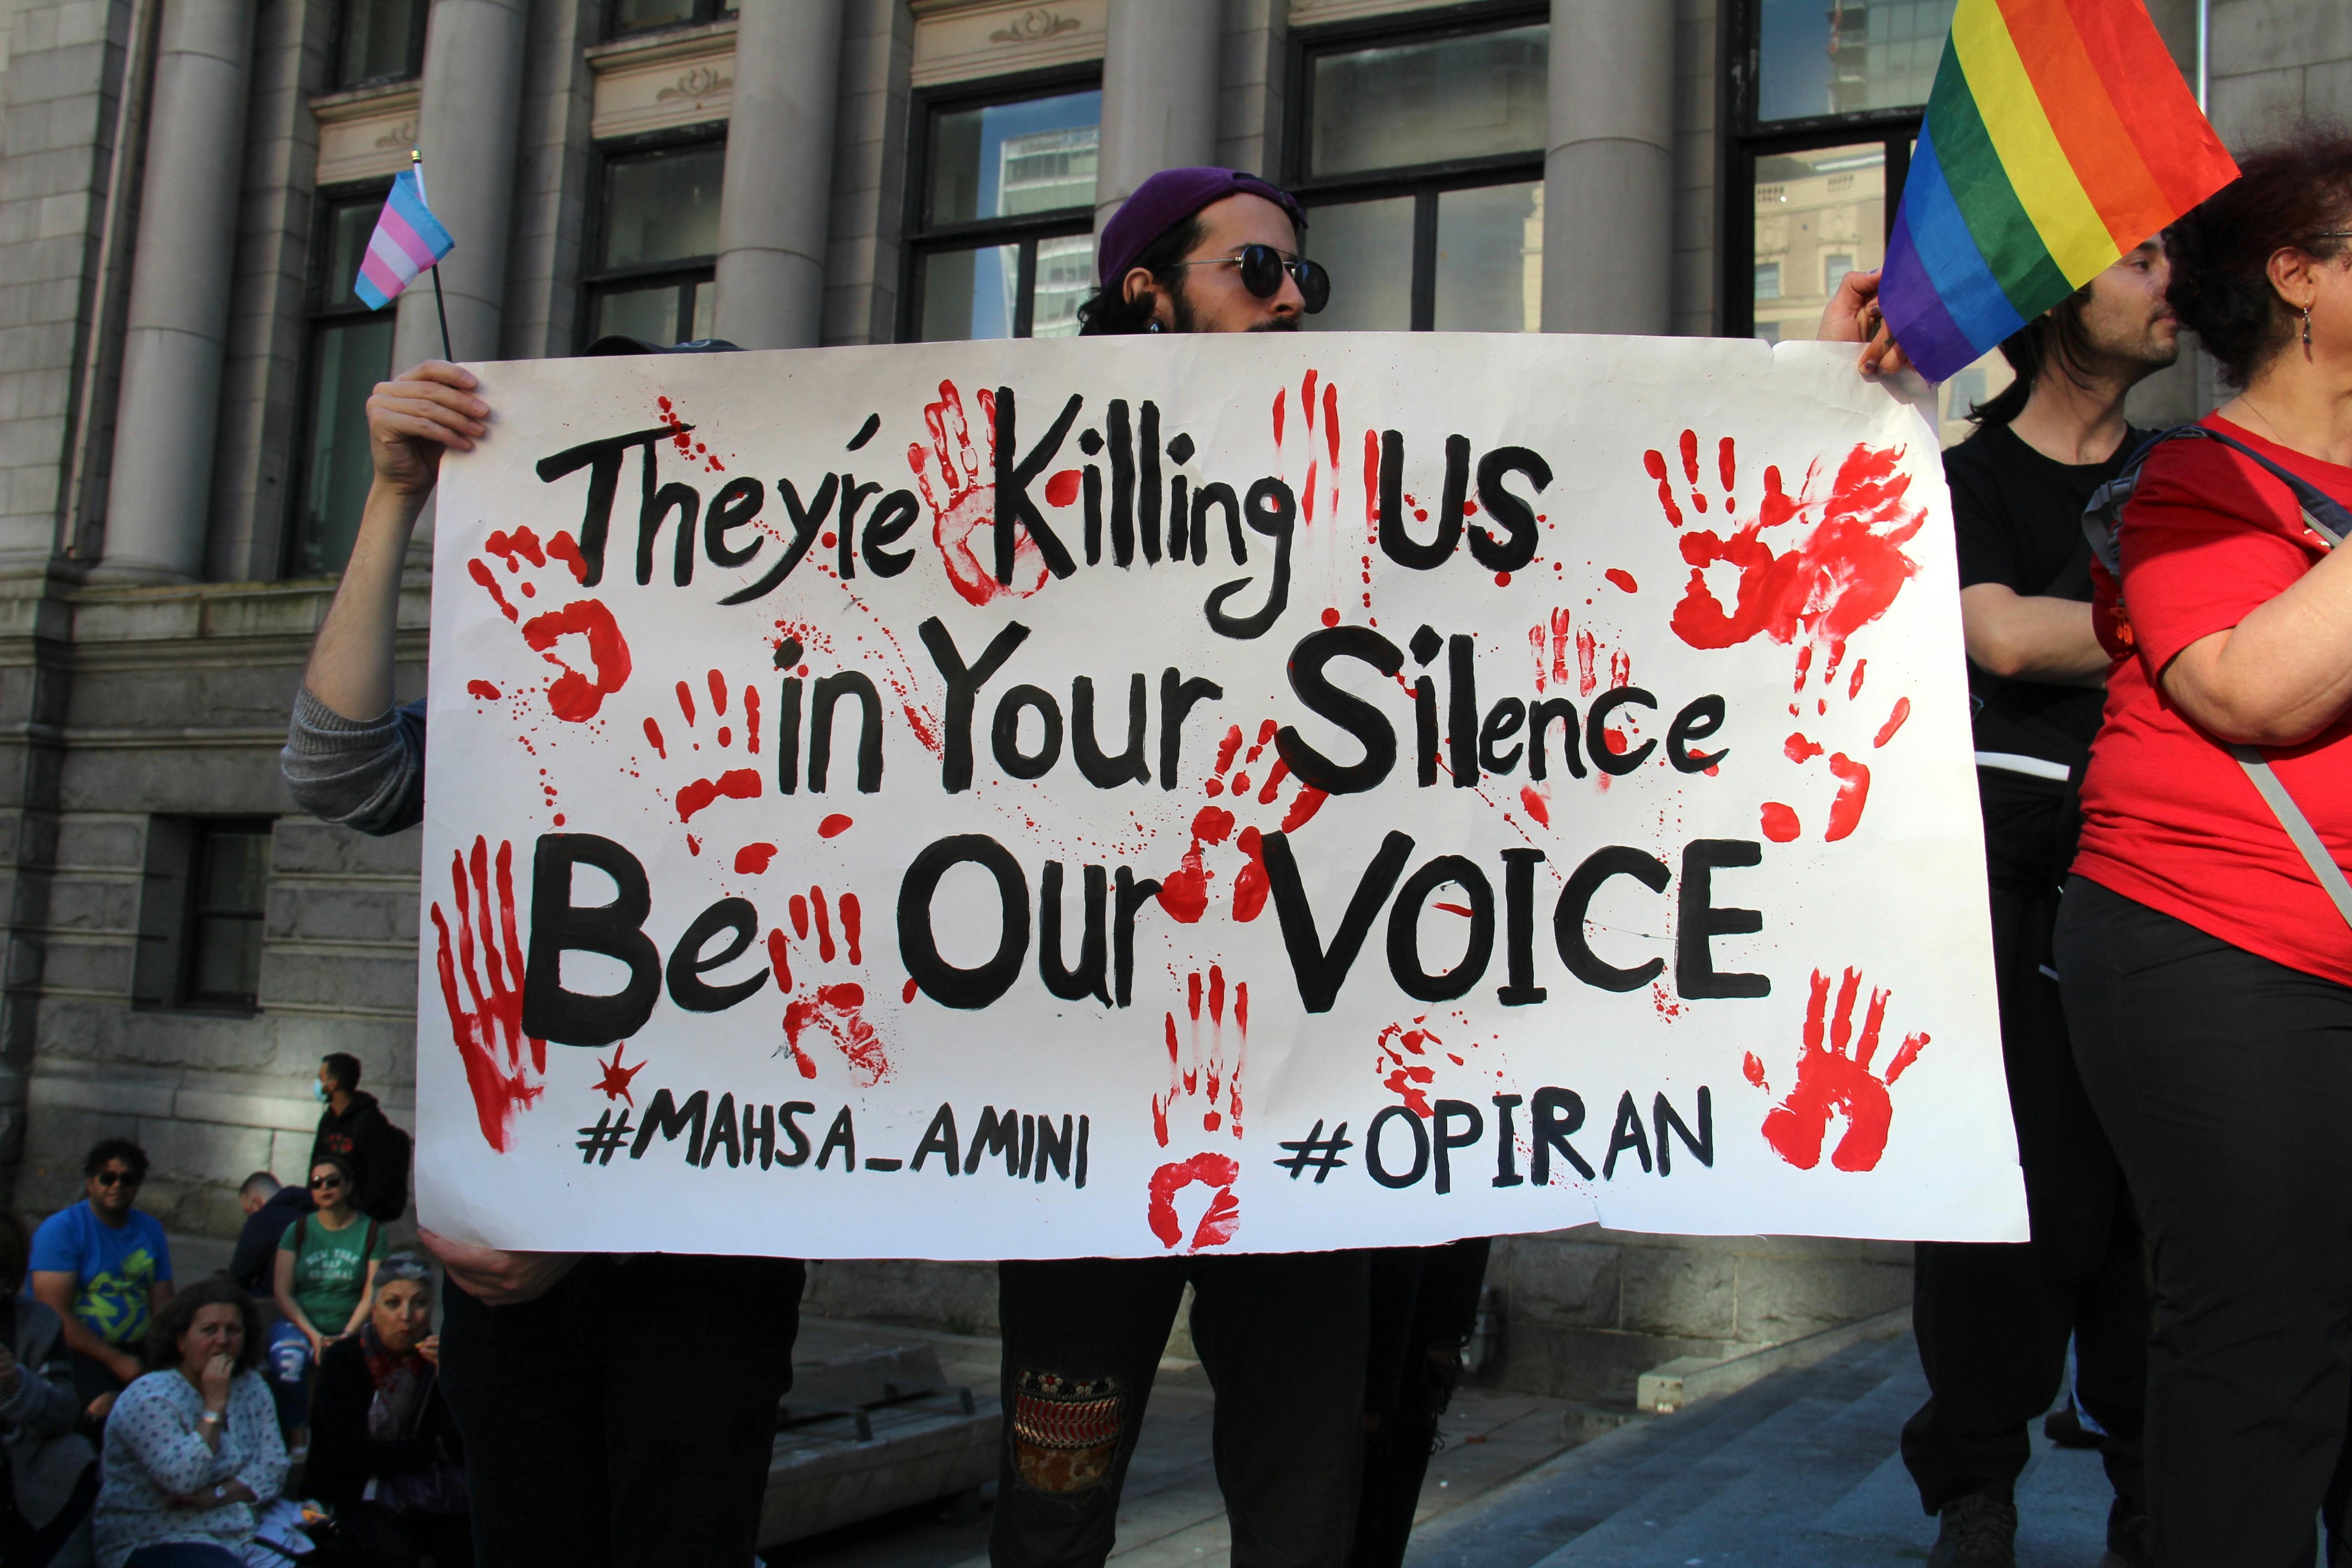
2325 516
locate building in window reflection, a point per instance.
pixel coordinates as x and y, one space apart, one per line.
1040 171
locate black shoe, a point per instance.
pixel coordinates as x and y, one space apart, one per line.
1978 1531
2127 1538
2065 1428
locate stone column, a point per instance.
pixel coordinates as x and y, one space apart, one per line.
776 208
467 122
1608 176
159 495
1159 94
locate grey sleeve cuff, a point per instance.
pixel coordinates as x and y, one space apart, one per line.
367 774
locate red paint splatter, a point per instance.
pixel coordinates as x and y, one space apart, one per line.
479 571
718 684
1781 824
924 733
1330 617
1063 488
752 859
1894 720
836 1011
1225 1212
1281 400
1622 579
1588 681
751 719
1727 464
1331 428
1797 749
483 690
738 783
1854 687
488 1026
654 734
1303 809
693 845
834 825
817 906
798 908
1754 1069
1831 1080
575 695
1838 578
780 958
1853 793
907 993
1656 462
1250 887
615 1084
1372 475
853 926
1538 808
523 542
564 548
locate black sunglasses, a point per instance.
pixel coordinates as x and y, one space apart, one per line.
321 1184
119 1178
1262 267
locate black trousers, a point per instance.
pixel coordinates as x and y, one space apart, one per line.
2224 1081
1282 1337
1424 1308
1993 1320
626 1418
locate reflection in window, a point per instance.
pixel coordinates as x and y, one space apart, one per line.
1422 179
1006 248
1472 96
350 351
658 241
1846 56
380 40
1819 215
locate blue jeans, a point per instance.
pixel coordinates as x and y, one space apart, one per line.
291 1370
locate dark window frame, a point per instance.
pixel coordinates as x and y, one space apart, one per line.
415 50
705 13
1422 182
919 239
1747 141
184 996
595 282
320 317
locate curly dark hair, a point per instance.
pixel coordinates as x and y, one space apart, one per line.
2287 196
109 1149
211 1291
1108 313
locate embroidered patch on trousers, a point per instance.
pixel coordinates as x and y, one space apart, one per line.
1064 1430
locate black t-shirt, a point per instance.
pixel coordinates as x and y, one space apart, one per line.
2017 520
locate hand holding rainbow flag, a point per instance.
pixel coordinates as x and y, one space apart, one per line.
2058 137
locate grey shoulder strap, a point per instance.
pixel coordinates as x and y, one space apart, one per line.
2298 828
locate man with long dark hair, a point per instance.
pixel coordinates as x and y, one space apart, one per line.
1993 1320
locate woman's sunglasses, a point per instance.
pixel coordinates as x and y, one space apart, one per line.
325 1183
1262 267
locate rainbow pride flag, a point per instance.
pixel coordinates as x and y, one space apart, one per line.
408 238
2059 136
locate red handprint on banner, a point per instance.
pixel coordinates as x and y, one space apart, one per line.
487 1023
578 691
1831 1080
964 525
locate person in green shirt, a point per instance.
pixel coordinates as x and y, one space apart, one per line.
326 1267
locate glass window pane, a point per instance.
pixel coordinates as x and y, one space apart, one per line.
350 227
235 871
227 962
1979 383
1066 275
1490 259
1426 102
1367 247
706 310
650 314
380 39
969 294
650 13
1813 209
1837 57
663 207
349 358
1013 158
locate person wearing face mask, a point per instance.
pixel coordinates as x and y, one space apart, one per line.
1283 1335
354 1130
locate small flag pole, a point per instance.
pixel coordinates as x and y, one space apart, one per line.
440 305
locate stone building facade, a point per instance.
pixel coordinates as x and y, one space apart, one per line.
181 363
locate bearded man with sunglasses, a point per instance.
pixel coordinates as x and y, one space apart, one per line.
104 1268
1282 1335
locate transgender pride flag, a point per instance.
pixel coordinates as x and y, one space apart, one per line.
408 239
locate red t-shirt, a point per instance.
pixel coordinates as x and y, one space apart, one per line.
2169 818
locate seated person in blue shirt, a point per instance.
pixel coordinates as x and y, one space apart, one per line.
104 1268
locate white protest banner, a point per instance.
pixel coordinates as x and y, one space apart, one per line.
1124 798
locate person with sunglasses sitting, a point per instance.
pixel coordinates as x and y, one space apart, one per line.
326 1271
104 1268
1283 1335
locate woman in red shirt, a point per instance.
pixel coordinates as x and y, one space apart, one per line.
2207 975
